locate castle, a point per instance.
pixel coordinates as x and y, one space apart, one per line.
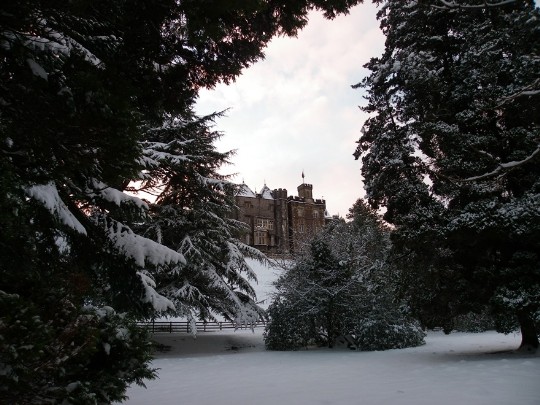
278 223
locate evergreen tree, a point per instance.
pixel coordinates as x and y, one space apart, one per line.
342 289
193 215
451 151
82 86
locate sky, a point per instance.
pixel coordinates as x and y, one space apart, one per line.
295 110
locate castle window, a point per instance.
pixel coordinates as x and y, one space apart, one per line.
315 214
260 238
264 223
300 211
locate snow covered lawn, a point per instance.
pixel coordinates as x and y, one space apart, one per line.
233 368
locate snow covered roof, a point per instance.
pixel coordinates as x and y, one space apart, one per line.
266 193
245 191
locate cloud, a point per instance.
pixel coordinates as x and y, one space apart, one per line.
296 110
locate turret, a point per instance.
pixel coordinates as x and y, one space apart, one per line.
305 191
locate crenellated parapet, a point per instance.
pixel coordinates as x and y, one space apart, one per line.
280 193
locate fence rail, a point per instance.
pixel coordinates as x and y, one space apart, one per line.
185 326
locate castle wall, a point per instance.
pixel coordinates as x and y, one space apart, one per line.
279 223
306 219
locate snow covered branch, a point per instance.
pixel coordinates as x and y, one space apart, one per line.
151 296
99 189
50 41
453 4
504 166
47 194
154 153
140 249
531 90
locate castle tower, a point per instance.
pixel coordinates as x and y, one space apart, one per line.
306 191
282 220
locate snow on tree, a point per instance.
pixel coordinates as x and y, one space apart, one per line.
193 215
451 151
341 289
82 86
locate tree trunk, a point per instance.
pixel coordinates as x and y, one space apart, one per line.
529 335
330 331
330 324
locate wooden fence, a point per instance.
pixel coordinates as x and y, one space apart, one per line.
185 326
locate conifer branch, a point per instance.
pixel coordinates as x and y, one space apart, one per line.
452 4
504 166
531 90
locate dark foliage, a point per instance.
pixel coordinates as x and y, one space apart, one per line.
83 86
452 152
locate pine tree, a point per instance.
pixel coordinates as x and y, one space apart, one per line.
193 215
451 151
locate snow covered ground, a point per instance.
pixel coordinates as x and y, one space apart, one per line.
233 368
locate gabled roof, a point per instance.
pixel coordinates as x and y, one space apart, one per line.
266 193
245 191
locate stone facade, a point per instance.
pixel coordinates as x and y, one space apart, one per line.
279 223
